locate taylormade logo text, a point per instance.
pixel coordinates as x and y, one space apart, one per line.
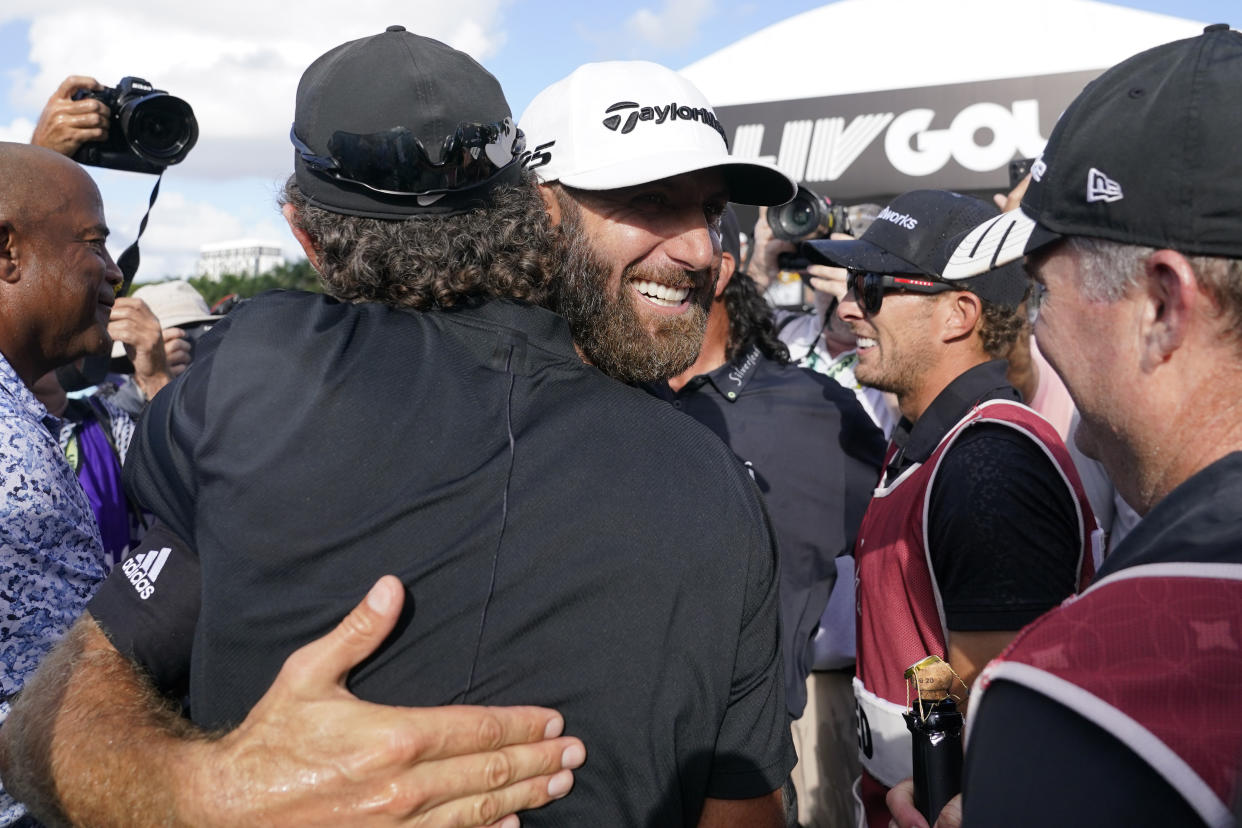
634 113
900 219
142 570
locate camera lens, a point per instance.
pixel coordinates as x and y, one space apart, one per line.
800 219
160 128
806 217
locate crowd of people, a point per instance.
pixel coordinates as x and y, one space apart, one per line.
542 441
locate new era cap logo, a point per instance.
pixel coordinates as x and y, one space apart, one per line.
143 569
1101 188
634 113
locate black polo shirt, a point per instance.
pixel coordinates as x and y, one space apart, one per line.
565 540
1033 762
816 455
996 499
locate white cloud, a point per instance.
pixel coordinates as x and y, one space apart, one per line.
177 229
19 130
237 63
185 218
672 26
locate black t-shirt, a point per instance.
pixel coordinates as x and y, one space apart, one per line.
997 497
565 540
816 456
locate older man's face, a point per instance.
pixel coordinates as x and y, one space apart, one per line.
1090 345
71 270
640 272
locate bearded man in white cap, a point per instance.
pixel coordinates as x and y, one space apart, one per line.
566 540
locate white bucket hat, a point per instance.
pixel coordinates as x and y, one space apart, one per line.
175 304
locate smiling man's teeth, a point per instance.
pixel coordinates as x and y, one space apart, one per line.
669 297
864 342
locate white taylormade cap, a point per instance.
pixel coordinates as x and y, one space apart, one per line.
620 123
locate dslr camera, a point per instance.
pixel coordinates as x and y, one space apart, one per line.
148 130
809 216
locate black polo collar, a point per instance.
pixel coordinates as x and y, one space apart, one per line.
731 378
917 441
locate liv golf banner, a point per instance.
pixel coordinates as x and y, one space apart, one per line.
874 145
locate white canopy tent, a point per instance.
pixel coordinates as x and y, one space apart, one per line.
863 99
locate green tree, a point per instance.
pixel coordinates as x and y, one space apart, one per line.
297 275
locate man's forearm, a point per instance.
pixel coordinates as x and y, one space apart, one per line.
83 726
91 743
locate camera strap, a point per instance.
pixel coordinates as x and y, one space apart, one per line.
128 260
95 368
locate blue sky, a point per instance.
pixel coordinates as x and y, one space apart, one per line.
238 62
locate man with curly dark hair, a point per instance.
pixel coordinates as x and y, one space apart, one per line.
979 522
558 535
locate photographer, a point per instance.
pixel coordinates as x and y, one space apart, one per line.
819 340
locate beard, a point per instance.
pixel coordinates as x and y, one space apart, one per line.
607 327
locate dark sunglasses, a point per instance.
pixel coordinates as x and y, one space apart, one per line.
395 162
869 287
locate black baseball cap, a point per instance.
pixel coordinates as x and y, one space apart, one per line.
395 79
916 233
1148 154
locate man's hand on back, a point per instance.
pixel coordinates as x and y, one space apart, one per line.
90 743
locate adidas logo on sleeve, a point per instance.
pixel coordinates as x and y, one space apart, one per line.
143 569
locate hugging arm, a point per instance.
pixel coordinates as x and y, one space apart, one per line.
90 742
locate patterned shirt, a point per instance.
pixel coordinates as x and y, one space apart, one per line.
51 557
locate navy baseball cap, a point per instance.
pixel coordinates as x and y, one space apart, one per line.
915 233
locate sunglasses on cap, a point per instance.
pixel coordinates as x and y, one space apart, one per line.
395 162
869 287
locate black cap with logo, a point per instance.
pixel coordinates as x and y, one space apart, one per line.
915 233
373 121
1148 154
